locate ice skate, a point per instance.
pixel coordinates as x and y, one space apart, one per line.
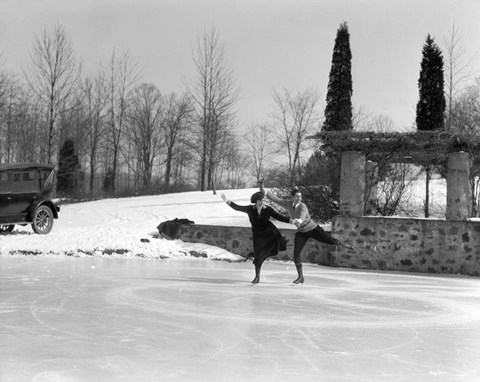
338 243
256 280
299 279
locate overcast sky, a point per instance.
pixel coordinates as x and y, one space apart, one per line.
272 44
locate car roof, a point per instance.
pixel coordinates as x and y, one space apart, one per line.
26 166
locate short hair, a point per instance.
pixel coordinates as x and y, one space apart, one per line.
256 196
294 191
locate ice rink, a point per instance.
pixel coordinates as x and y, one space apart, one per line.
115 319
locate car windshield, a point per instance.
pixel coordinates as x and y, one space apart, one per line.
48 183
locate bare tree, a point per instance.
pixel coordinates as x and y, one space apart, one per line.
394 187
94 104
297 117
144 116
177 119
466 110
361 119
53 76
120 76
457 69
20 118
5 85
258 141
234 167
28 121
8 100
387 185
184 160
214 94
228 161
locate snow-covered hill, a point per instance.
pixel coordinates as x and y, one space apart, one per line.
115 226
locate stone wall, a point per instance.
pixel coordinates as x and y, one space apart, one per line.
417 245
238 240
393 244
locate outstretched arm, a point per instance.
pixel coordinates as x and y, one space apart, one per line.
270 195
236 207
262 189
225 199
274 214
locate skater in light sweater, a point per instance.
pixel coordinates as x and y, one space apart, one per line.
306 227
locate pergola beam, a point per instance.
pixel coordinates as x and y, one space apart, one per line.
421 148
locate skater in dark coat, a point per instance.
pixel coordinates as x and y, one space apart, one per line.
267 239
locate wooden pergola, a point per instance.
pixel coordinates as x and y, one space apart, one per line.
420 147
454 151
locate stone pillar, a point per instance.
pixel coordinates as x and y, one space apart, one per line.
458 190
352 183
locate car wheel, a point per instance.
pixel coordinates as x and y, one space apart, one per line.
6 228
42 220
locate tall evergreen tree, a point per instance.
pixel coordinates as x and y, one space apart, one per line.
338 111
68 166
431 103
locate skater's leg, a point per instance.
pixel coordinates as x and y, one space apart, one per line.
299 279
256 280
321 235
299 242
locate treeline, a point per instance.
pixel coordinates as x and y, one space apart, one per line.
111 133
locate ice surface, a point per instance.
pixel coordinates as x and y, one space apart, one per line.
127 319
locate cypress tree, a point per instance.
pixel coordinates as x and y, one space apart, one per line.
338 110
68 164
431 103
108 181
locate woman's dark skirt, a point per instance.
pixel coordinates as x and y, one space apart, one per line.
267 243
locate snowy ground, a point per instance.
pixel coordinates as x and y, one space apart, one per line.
117 225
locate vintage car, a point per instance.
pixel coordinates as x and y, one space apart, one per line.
26 191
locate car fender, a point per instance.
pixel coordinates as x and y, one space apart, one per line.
39 203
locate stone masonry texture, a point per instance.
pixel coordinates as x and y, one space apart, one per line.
414 245
381 243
